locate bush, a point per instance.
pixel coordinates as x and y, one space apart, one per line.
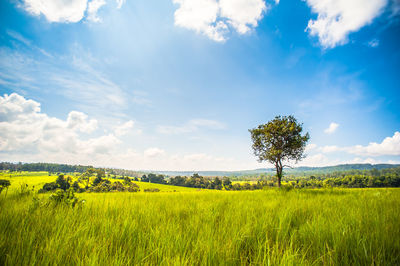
67 198
76 186
133 188
4 184
151 190
118 186
62 183
48 187
97 180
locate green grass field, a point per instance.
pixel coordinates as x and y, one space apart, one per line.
36 180
270 227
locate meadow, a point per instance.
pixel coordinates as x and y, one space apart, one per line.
202 227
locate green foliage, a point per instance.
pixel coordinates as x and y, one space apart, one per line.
97 180
349 181
4 184
151 190
76 186
48 167
62 183
67 198
48 187
227 183
279 141
107 186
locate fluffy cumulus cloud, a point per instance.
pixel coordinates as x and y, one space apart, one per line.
216 18
124 128
389 146
80 121
27 134
67 10
332 128
26 131
338 18
57 10
92 9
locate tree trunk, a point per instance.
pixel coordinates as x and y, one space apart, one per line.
279 167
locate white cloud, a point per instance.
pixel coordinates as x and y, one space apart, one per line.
124 128
92 9
215 18
332 128
57 10
79 121
242 14
13 106
310 147
318 159
389 146
67 11
29 135
329 149
25 131
153 152
338 18
364 160
191 126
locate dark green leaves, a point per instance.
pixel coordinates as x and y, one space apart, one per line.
279 140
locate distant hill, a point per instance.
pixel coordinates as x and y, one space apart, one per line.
52 167
345 167
295 170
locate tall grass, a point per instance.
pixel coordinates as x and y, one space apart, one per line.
298 227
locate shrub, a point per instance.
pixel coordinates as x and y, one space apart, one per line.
67 198
48 187
151 190
97 180
76 186
133 188
62 183
4 184
118 186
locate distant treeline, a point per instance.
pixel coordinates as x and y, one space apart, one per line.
349 181
197 181
384 177
48 167
395 171
62 168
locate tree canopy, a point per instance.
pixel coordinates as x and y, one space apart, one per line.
279 141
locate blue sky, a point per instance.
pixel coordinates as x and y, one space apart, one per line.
176 84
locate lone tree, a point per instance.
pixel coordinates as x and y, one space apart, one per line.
279 141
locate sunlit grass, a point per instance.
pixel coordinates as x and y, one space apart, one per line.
299 227
36 180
